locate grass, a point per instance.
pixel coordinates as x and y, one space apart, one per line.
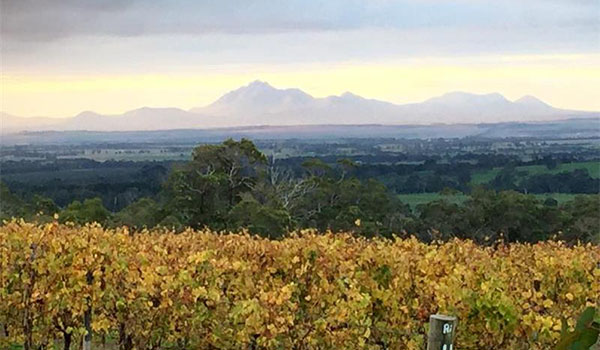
485 176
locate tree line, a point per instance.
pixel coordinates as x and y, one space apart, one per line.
233 185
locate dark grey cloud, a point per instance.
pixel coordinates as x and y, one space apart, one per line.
55 19
51 19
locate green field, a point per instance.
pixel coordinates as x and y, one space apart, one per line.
485 176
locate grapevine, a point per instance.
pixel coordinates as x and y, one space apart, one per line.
206 290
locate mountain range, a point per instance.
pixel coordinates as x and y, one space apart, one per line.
259 103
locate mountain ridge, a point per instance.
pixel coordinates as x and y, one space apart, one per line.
259 103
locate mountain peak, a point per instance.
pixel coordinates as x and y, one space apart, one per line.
87 114
259 82
349 95
258 98
531 101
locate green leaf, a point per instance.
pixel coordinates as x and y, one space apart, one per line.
586 318
589 337
567 340
584 335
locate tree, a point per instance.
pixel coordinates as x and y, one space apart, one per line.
506 179
577 181
316 167
581 219
338 202
11 205
143 213
91 210
440 219
463 176
283 189
515 216
204 190
264 220
44 205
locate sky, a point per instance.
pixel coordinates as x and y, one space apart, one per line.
62 57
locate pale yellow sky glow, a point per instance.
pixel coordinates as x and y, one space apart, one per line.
564 81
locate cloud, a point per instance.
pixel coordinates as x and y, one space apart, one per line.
123 36
55 19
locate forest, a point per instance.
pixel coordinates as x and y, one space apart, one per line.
474 190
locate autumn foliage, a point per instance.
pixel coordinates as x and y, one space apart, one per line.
204 290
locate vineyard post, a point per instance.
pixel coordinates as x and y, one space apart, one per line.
87 315
442 331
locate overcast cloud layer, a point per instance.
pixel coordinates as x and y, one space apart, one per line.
53 19
73 32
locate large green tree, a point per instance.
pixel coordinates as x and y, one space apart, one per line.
339 201
203 191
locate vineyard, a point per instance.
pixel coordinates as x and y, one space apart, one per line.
205 290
